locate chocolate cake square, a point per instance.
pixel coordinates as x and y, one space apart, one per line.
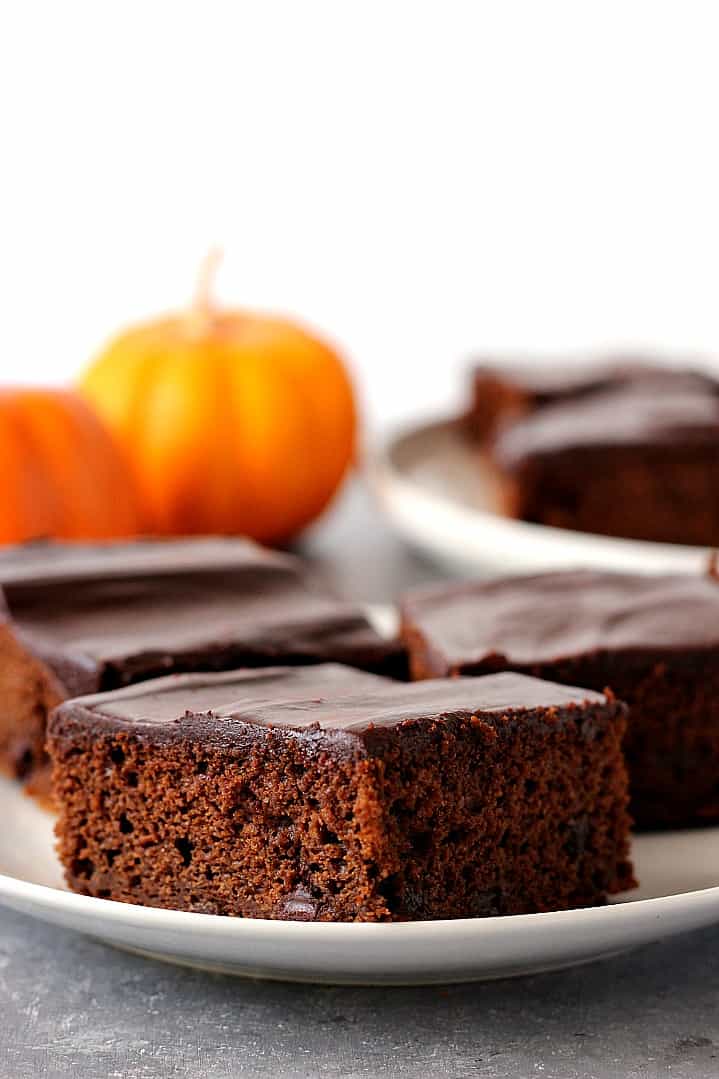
82 619
328 794
653 640
639 462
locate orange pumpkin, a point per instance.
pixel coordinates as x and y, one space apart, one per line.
63 474
236 422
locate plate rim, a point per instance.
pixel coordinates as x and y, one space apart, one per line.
50 897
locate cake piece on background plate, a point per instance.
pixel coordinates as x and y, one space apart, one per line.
639 462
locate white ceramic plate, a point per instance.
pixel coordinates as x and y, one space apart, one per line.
442 498
680 891
679 875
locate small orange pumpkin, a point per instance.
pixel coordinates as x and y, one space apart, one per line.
235 422
63 474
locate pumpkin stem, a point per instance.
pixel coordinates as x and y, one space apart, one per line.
202 308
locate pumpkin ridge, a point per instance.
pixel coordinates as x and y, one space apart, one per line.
41 490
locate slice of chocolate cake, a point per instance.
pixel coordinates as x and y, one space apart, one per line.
639 462
507 390
275 794
84 619
653 640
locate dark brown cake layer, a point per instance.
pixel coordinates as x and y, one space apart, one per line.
507 390
94 618
639 462
654 640
275 794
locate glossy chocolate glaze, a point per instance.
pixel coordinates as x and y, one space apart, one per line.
127 612
546 382
552 616
649 415
312 701
42 561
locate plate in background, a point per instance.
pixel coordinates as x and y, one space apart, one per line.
443 499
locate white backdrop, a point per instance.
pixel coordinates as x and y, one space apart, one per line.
419 180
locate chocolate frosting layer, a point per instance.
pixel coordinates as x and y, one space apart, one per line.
545 380
642 415
109 615
42 561
322 698
552 616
